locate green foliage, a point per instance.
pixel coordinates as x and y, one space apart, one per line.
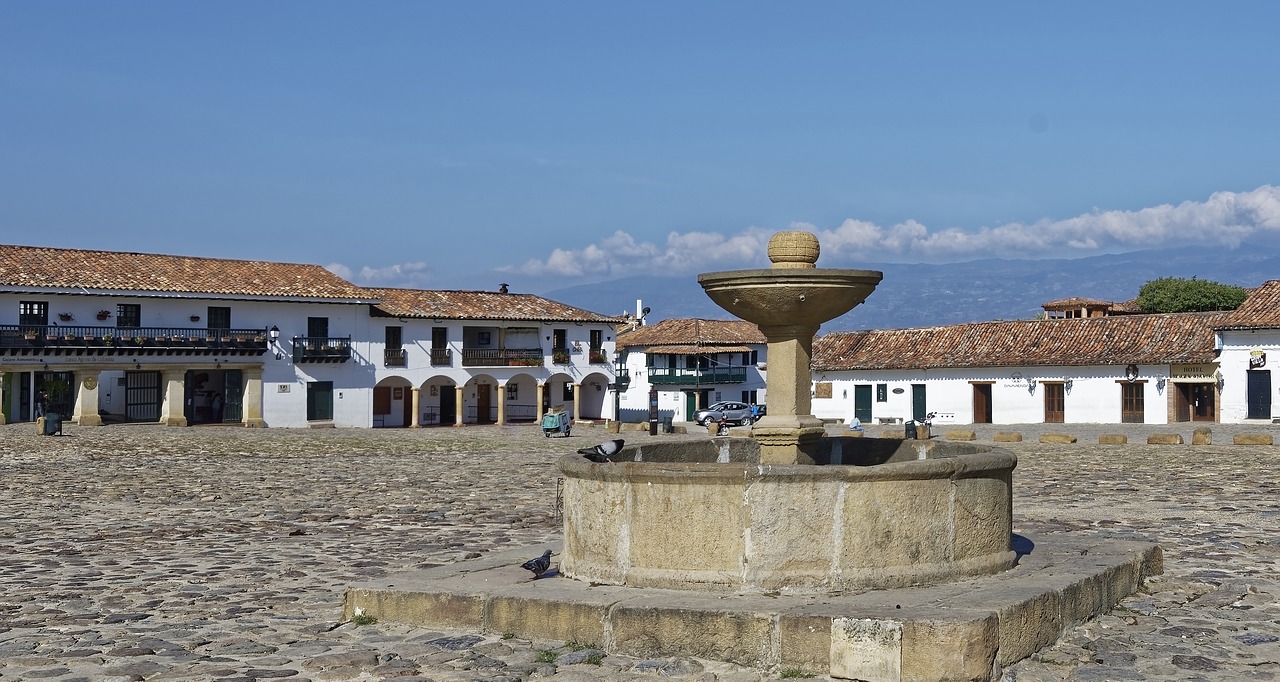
547 656
364 619
1178 295
793 673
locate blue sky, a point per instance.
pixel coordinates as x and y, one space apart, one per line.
459 145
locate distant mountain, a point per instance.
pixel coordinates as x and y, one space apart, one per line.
918 295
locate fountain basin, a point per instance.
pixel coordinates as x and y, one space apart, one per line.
706 515
781 297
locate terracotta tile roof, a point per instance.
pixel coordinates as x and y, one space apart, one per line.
688 331
696 349
478 305
1141 339
32 268
1260 311
1074 302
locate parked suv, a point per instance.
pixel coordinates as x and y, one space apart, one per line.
733 412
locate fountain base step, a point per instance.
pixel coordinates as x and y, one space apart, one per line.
966 630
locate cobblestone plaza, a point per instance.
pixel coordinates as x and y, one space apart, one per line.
138 552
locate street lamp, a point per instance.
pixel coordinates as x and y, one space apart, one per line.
621 380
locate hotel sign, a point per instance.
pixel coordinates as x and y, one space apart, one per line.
1202 372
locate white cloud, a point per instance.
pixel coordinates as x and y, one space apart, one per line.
407 275
1225 218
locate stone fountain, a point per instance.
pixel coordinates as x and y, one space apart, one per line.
866 558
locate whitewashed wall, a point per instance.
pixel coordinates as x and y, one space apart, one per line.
1237 345
1093 396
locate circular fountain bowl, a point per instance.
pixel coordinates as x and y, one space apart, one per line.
705 515
785 297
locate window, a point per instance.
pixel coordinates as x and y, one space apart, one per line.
567 396
128 315
318 327
33 313
439 338
393 338
597 339
882 393
218 317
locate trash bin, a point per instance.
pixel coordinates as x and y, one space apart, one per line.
52 423
911 429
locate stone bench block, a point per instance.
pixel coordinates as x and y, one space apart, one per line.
961 434
1008 437
1252 439
1057 438
1113 439
1165 439
1202 436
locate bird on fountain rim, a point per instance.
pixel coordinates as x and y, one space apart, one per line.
538 565
600 453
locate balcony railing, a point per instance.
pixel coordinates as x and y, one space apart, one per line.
441 357
395 357
598 356
708 375
502 357
29 339
321 348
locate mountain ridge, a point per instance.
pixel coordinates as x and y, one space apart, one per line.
919 295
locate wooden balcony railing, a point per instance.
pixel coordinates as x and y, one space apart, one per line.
81 340
321 348
501 357
685 377
441 357
395 357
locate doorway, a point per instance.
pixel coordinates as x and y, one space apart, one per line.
981 403
1195 402
918 409
1259 394
862 403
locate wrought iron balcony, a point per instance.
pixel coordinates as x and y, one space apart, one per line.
29 339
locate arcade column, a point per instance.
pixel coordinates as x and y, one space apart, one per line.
252 400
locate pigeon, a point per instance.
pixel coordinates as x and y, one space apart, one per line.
538 565
601 452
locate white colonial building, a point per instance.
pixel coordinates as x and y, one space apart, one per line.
685 364
1249 343
1150 369
99 337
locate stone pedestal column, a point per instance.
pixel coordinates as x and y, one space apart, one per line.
86 410
541 391
502 404
788 431
461 405
577 402
251 401
414 420
172 408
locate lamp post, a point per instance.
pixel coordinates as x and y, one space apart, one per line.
621 380
274 335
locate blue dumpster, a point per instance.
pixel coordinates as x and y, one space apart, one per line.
52 423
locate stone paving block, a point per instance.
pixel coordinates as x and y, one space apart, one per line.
1164 439
1252 439
961 434
1008 437
1113 439
1202 436
1057 438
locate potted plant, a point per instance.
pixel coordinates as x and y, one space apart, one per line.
104 314
30 335
66 317
109 339
560 357
139 340
69 337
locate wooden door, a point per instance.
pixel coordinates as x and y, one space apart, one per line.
1259 394
1055 403
862 403
1203 403
483 401
982 403
1132 405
